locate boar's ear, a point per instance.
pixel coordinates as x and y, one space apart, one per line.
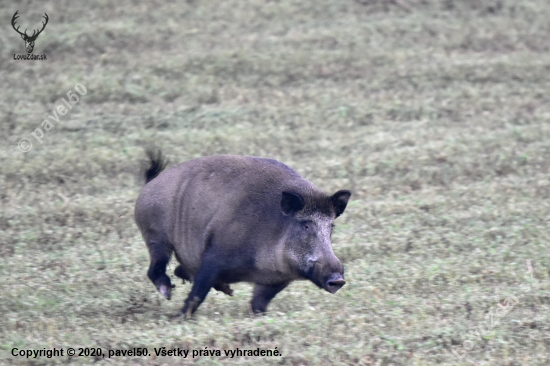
340 201
291 203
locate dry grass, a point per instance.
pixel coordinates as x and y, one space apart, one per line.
434 113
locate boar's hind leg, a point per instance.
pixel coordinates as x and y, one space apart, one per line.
159 253
181 273
224 287
263 294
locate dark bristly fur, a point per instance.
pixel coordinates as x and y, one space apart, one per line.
237 218
154 165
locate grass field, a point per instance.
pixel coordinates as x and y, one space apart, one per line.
434 113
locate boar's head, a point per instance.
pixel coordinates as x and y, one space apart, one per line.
309 223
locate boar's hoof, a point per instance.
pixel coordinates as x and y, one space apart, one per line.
193 304
224 287
165 291
334 284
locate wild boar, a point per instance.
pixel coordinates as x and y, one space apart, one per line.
237 218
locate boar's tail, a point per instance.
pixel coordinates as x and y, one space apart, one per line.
154 165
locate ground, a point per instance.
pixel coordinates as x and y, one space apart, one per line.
434 113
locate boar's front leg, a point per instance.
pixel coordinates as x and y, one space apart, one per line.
263 294
204 280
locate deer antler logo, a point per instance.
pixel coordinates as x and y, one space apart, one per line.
29 40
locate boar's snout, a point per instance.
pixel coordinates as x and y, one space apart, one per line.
334 283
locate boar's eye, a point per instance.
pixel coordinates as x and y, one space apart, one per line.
305 225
